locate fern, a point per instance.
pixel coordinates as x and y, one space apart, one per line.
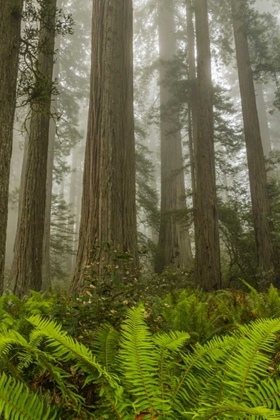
230 410
17 402
140 369
251 359
168 344
105 346
141 375
66 348
244 375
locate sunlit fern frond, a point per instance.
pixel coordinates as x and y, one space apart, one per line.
139 358
248 362
17 402
169 345
105 346
244 376
64 347
199 367
266 393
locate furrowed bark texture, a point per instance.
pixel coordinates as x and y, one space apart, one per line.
10 20
108 203
27 265
255 155
208 267
174 248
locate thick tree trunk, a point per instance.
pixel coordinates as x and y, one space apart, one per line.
108 203
27 266
10 21
255 156
174 248
208 267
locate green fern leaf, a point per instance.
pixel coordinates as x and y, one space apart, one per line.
66 348
139 360
105 346
17 402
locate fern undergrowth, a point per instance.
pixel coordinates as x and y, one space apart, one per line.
135 374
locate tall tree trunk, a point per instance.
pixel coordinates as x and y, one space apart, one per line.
46 262
10 21
255 156
174 248
27 265
193 118
108 203
73 197
263 121
208 266
22 179
192 106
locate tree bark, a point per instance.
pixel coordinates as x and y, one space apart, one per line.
174 248
255 155
263 121
208 267
108 203
192 106
193 118
10 21
46 262
73 198
27 265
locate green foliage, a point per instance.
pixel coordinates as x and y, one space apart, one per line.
265 304
204 315
18 402
136 373
32 84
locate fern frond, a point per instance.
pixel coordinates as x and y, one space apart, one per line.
19 403
172 341
28 353
267 394
199 367
105 346
66 348
169 344
251 359
230 410
139 360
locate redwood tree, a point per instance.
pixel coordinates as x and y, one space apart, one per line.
174 243
10 21
27 264
192 104
255 155
208 267
108 204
